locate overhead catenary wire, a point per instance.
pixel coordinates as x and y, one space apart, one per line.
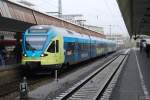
112 13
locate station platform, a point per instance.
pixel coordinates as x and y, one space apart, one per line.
133 82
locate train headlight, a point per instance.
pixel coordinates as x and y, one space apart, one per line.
42 55
25 55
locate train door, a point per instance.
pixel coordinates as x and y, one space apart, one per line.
76 52
57 51
54 52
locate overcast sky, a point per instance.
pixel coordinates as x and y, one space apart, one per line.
97 12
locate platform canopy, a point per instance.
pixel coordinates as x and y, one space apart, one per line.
136 14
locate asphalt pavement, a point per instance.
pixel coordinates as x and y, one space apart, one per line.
134 81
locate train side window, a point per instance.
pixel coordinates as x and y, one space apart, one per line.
71 46
51 48
57 46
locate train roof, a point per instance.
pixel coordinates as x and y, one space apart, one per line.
70 33
41 27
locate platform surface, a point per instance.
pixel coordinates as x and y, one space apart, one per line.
134 80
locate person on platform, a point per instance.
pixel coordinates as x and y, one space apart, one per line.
18 52
142 45
147 48
2 55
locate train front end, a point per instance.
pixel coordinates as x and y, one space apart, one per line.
37 49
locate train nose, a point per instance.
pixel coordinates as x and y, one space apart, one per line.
33 53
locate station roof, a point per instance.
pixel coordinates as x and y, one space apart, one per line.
17 18
136 14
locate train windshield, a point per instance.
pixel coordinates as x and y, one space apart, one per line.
35 42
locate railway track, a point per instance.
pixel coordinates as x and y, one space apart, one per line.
93 86
13 86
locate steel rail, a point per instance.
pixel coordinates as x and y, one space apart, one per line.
70 92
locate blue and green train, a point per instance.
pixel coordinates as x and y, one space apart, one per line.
52 47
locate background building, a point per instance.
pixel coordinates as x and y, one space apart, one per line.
74 18
7 45
95 28
118 38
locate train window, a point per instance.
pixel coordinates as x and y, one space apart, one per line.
81 46
71 46
57 46
86 46
51 48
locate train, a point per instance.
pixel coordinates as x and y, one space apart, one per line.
53 47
